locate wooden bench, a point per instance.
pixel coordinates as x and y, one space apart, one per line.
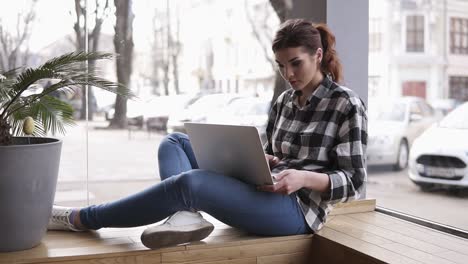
355 233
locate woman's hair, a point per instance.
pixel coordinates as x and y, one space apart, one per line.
302 33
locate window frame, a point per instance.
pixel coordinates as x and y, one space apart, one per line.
458 27
415 31
456 81
375 34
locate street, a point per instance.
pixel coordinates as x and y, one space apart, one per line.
394 190
122 162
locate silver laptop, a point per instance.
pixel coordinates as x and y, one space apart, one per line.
232 150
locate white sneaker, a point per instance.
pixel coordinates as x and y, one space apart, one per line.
60 219
181 227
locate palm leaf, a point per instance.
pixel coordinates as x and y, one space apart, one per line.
69 68
6 83
50 114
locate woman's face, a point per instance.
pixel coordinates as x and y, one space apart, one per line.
299 68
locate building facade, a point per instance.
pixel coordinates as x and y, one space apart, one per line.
418 47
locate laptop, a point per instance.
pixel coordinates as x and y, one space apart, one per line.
232 150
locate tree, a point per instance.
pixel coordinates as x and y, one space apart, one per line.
14 51
261 29
175 48
99 14
123 42
166 49
282 9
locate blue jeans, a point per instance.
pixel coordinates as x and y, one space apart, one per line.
185 187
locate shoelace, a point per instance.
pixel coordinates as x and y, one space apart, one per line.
61 218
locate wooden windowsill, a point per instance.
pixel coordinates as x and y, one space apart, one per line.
353 233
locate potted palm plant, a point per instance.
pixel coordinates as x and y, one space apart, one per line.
29 165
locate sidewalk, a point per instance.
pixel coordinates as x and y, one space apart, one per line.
119 163
74 193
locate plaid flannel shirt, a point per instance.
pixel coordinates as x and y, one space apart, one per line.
328 135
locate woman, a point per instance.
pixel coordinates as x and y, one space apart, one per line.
316 143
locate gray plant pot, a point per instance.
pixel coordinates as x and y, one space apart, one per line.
28 178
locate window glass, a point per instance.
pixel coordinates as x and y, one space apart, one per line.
170 54
459 35
186 66
414 109
457 118
30 34
419 165
415 33
375 34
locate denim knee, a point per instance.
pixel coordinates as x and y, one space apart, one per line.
175 137
170 139
189 184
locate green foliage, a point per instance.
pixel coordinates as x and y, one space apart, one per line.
50 114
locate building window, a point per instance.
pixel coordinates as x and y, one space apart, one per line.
375 34
458 87
414 88
374 85
415 33
459 36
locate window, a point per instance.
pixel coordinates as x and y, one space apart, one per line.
414 88
375 34
415 33
415 109
173 64
374 85
397 148
458 87
426 109
459 35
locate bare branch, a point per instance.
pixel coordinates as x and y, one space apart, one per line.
12 43
257 36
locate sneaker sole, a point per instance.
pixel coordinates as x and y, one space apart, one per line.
159 236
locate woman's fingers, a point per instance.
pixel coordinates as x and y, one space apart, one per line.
272 160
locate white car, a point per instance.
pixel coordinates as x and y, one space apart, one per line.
198 111
393 126
439 157
248 111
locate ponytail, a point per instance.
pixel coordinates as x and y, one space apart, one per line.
302 33
330 64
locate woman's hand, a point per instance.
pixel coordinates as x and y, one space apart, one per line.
288 181
272 160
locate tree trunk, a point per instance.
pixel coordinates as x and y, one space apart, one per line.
175 72
5 135
123 42
282 9
93 45
280 86
166 77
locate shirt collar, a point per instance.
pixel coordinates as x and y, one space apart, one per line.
319 93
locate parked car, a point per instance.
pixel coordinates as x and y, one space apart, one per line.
135 110
445 106
157 116
153 112
198 111
393 126
439 157
249 111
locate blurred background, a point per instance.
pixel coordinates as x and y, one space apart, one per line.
211 61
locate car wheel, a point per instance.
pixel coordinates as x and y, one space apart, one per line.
402 157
